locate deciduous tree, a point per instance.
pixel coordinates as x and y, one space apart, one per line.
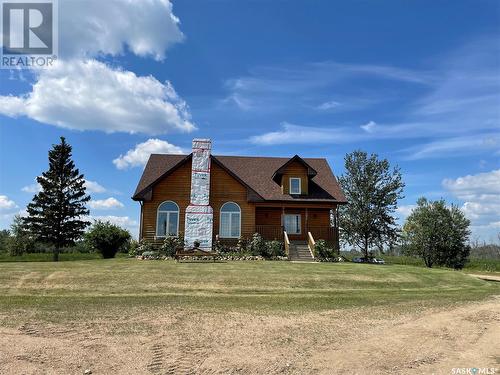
372 189
438 234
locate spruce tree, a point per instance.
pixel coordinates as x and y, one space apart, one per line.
55 215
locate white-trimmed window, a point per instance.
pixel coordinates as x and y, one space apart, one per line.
295 187
230 220
167 220
292 224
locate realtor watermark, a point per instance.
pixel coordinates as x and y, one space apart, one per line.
29 33
474 370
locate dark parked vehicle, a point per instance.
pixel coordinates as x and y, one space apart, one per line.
368 260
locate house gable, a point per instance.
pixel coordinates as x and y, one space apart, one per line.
176 186
294 169
226 188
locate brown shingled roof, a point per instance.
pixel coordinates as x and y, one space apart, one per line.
253 171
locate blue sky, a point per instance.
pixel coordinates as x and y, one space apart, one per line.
415 82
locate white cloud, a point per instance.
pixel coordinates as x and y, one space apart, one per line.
477 144
94 187
81 93
33 188
480 194
481 209
299 134
105 204
456 114
88 95
326 106
6 203
296 134
482 185
95 27
122 221
404 211
312 76
118 220
285 88
242 103
369 127
139 155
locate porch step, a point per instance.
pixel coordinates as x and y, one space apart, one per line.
300 252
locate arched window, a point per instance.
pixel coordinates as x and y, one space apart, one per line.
167 221
230 220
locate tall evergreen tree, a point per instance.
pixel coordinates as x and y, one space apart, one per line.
372 190
56 212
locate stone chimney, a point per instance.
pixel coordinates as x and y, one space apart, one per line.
199 214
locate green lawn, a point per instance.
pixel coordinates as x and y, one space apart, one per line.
473 265
123 287
47 257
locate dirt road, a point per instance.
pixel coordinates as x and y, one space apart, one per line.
412 340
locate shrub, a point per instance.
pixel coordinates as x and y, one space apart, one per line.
140 247
170 245
322 251
107 238
81 247
16 246
258 246
19 242
242 245
153 255
221 248
4 239
132 248
217 246
275 249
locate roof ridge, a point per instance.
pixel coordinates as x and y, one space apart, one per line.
267 157
245 156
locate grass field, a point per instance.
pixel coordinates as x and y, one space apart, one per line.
121 315
474 264
47 257
53 289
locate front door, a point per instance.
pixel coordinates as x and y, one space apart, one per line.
292 224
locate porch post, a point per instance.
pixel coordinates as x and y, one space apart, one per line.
307 222
336 229
141 220
282 218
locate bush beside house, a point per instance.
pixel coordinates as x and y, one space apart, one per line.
107 239
323 252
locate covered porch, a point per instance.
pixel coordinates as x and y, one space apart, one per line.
322 222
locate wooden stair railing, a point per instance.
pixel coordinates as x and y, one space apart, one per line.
311 243
287 244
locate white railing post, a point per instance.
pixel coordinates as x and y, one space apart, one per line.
287 244
310 243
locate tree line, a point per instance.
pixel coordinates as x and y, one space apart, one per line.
434 231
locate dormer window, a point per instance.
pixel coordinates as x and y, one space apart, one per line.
295 185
